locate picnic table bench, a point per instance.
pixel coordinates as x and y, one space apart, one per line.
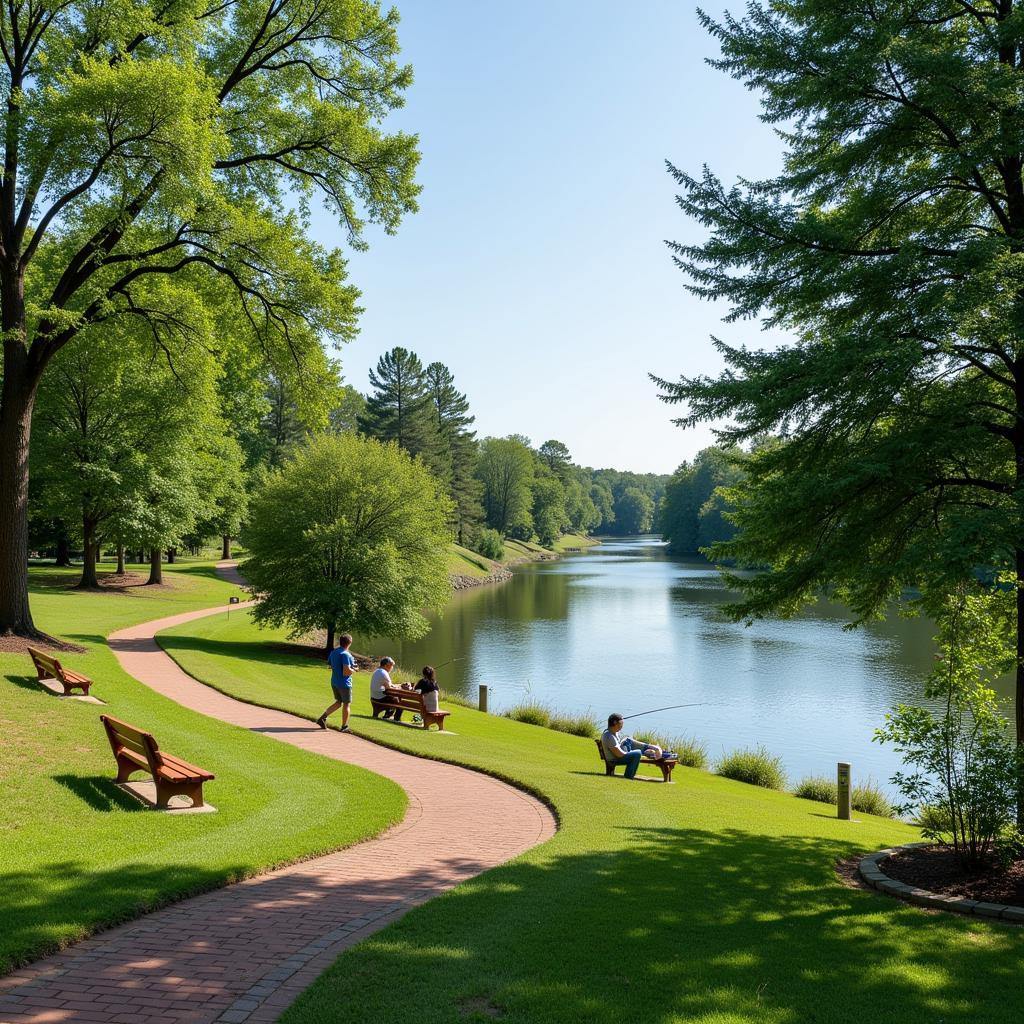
666 764
49 667
397 699
136 750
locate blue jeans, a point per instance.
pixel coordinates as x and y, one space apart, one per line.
631 761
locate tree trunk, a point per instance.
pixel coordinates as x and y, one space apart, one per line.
120 558
63 548
225 551
20 381
330 638
171 552
90 549
156 571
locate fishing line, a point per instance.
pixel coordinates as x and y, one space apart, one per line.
672 707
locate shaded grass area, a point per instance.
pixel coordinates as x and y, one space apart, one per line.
708 900
77 853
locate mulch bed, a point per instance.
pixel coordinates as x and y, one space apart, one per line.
19 645
937 869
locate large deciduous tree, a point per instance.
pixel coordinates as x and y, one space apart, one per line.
349 534
152 146
892 246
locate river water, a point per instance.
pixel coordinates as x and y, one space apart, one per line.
626 627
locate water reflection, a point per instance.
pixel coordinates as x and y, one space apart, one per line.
626 627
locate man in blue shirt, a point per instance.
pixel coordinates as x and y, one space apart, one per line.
342 666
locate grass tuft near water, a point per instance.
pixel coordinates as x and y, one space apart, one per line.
755 766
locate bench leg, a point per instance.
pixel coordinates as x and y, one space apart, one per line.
165 790
666 772
125 769
609 768
430 719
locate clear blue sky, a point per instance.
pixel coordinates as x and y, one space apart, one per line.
536 268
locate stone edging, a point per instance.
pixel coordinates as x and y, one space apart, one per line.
868 870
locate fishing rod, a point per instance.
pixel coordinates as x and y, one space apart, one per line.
672 707
449 662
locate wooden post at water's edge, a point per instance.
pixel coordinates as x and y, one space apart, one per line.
483 698
843 787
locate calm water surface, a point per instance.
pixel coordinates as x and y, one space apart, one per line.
626 627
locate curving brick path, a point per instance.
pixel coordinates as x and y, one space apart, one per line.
243 953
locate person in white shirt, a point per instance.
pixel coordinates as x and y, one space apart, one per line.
379 683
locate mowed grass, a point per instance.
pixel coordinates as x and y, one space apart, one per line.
78 854
706 901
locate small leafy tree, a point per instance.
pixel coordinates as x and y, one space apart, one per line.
349 533
962 760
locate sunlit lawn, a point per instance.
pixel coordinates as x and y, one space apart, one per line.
707 900
76 853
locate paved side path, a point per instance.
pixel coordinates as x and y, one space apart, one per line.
243 953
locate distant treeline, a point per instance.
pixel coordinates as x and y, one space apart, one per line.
501 486
691 516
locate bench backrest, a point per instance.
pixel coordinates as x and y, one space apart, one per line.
411 700
600 750
122 735
51 666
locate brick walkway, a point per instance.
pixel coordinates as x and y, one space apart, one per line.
243 953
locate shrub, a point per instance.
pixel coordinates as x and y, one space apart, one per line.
817 787
575 725
532 713
489 543
1009 846
962 762
868 798
754 766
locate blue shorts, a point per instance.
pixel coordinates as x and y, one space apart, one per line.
342 693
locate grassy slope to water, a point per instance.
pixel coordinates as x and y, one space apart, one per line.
706 901
464 562
77 854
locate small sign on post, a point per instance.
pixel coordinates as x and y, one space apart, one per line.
843 786
231 601
483 698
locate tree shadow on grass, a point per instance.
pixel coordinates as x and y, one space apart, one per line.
48 908
266 652
99 792
679 925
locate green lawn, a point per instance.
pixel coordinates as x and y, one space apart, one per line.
705 901
77 854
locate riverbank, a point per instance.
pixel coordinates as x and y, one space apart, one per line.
741 879
468 569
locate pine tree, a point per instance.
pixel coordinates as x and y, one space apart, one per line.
458 452
891 245
399 408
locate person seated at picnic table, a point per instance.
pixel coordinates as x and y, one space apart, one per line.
626 750
428 687
380 683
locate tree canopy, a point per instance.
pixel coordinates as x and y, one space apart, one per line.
349 534
891 247
161 159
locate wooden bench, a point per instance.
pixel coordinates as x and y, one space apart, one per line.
665 764
50 668
135 750
409 700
